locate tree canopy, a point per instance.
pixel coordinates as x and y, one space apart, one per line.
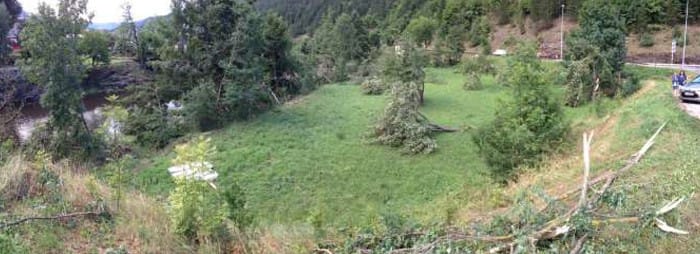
51 38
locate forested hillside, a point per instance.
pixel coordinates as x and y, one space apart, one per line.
305 15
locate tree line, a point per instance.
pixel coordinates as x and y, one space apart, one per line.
305 16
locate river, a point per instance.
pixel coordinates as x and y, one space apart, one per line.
33 115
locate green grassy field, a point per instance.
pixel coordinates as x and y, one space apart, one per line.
308 161
310 157
306 165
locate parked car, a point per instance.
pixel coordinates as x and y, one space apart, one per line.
691 91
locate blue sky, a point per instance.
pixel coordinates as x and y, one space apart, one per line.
110 10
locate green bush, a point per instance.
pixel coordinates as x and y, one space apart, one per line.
152 126
631 84
473 83
527 126
12 244
197 210
646 40
478 65
238 213
373 87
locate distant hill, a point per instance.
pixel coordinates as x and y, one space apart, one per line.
111 26
104 26
303 16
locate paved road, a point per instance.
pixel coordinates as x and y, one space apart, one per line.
692 108
688 67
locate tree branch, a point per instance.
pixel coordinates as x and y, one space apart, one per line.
57 217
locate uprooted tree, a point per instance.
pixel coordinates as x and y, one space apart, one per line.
402 124
565 222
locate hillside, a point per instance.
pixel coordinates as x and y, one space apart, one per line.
505 36
305 15
305 180
383 127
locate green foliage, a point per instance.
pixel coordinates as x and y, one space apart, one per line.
50 39
6 149
196 209
340 43
473 82
154 39
402 125
480 33
421 30
602 27
11 244
528 125
95 45
646 40
403 64
265 154
631 84
119 178
597 53
152 126
238 213
229 62
478 65
373 87
447 51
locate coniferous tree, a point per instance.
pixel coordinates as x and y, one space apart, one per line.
528 125
600 42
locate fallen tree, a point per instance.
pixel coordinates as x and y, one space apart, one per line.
402 124
568 227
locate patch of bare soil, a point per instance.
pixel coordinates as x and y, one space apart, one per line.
549 37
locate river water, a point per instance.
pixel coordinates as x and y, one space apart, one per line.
33 115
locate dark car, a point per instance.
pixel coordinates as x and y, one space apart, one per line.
691 91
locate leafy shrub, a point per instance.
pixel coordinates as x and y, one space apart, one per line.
196 209
373 87
402 125
646 40
530 124
152 126
478 65
6 148
235 198
473 83
631 85
11 244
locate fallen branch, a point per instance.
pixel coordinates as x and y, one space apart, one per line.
438 128
631 163
560 225
57 217
579 245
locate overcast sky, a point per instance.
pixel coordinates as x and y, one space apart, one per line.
110 10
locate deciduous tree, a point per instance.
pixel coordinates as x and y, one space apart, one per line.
51 39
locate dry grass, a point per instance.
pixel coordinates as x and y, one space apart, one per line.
141 224
15 179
